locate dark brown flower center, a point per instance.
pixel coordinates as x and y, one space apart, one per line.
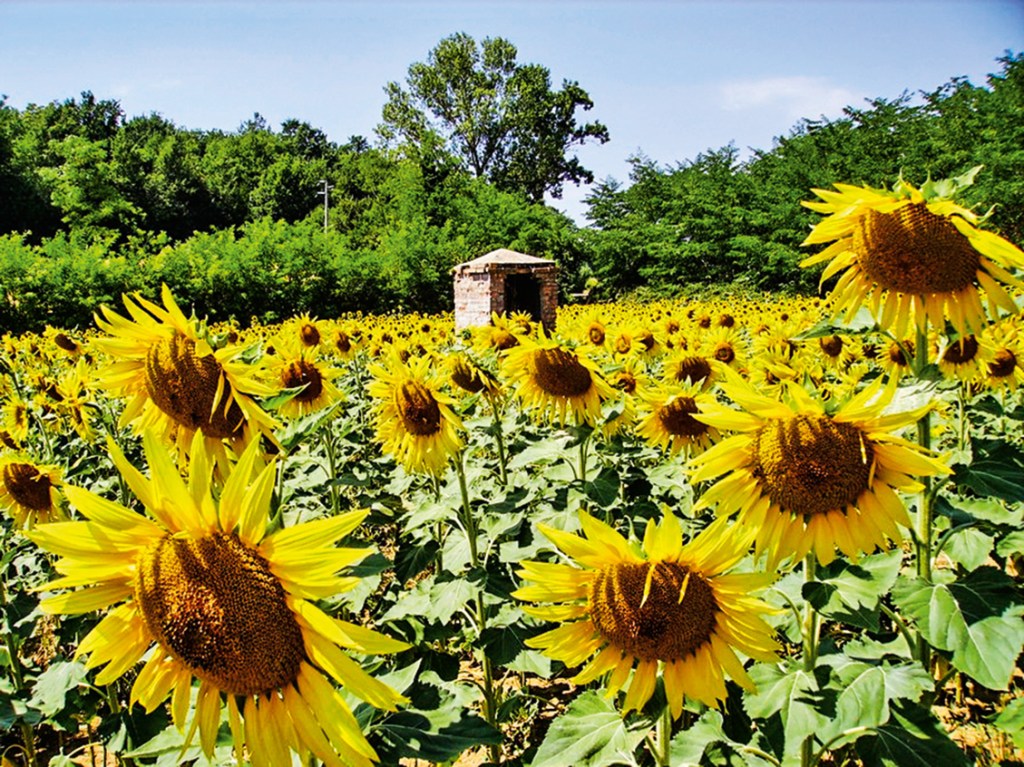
420 413
1003 363
559 372
678 420
184 386
831 345
303 373
913 250
309 334
214 604
962 351
693 368
673 620
811 464
724 352
28 486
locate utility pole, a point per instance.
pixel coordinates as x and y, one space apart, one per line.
326 192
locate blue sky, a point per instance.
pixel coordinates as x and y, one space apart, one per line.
669 79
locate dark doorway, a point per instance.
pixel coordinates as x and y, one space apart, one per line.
522 294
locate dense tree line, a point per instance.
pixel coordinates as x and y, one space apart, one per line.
93 203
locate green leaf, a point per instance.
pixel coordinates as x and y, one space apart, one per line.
591 733
1011 721
604 489
866 693
794 695
995 470
863 322
1011 544
688 746
977 619
49 695
913 738
963 510
434 599
437 736
850 592
969 547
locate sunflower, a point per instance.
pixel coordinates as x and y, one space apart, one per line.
913 255
688 368
29 491
964 359
1005 370
202 591
415 422
670 423
805 479
295 364
176 382
549 377
673 610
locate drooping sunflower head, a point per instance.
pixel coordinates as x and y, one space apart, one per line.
176 382
470 376
552 379
913 256
667 608
29 491
803 478
199 588
415 422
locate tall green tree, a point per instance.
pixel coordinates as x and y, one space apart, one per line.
502 119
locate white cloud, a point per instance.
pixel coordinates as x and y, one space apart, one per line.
795 97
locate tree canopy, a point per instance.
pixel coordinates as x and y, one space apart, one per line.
500 118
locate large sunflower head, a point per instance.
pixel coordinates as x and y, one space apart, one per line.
176 382
415 422
29 491
805 479
199 587
551 379
913 255
667 608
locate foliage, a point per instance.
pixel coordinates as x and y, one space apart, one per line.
501 119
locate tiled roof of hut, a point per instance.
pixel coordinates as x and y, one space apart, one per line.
504 256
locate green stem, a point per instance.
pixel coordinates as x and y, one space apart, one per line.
499 441
811 630
27 734
490 703
133 739
899 623
328 438
924 514
582 474
662 753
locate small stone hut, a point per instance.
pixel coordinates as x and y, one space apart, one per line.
504 281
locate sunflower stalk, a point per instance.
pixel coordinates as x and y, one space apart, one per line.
490 702
662 746
923 540
499 441
27 734
811 630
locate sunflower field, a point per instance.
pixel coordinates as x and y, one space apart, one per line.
764 532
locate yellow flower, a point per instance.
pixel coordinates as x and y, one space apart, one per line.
200 589
913 256
415 422
552 379
294 365
802 479
671 425
673 610
176 382
29 491
1005 370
